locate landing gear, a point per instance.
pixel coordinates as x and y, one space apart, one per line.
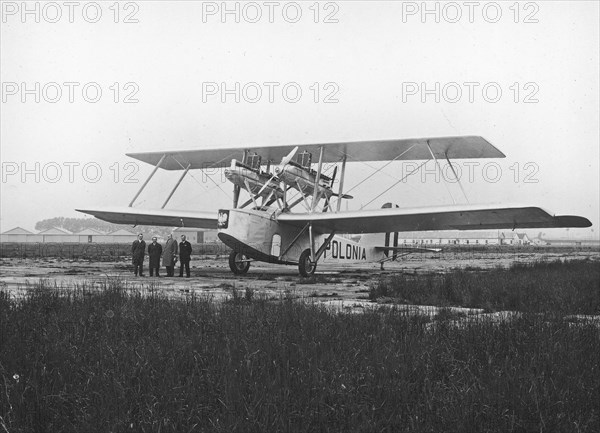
305 265
238 263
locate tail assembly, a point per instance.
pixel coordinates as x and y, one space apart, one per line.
386 241
387 244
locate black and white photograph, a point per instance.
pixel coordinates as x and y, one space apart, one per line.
299 216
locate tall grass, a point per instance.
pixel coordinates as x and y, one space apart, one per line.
570 287
118 360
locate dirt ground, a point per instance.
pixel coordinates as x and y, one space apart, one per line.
211 277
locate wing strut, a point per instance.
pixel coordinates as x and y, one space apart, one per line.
291 206
252 197
237 188
311 238
441 172
176 186
457 178
303 195
317 180
323 247
340 191
148 180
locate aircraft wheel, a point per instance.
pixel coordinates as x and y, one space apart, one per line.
237 264
305 265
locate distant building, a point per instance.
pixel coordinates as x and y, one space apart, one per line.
191 234
451 238
210 236
120 236
516 239
481 237
60 235
17 234
521 239
55 234
196 236
88 235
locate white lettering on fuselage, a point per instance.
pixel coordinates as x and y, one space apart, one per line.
345 251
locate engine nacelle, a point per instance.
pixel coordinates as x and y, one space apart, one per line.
252 180
303 180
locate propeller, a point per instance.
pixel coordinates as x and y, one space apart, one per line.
285 161
346 196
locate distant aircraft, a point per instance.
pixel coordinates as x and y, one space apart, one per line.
267 228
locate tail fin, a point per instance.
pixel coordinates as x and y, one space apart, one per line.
382 239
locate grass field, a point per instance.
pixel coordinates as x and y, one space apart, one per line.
82 360
569 287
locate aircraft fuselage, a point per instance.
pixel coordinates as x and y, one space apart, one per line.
260 237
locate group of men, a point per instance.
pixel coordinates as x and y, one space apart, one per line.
169 255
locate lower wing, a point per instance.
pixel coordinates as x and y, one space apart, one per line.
450 217
155 217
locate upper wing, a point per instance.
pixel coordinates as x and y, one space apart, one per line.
155 217
455 217
375 150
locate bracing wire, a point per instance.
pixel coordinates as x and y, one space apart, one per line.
207 175
396 183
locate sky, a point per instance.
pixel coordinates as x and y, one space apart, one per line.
84 84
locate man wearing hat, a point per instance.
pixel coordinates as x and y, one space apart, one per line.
185 255
169 255
154 254
138 250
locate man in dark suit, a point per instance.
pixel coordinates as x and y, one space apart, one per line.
185 255
154 253
138 250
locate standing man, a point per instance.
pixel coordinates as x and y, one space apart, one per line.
185 255
169 255
138 250
154 253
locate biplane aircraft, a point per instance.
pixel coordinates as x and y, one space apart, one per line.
292 214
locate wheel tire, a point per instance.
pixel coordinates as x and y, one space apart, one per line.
236 263
305 265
